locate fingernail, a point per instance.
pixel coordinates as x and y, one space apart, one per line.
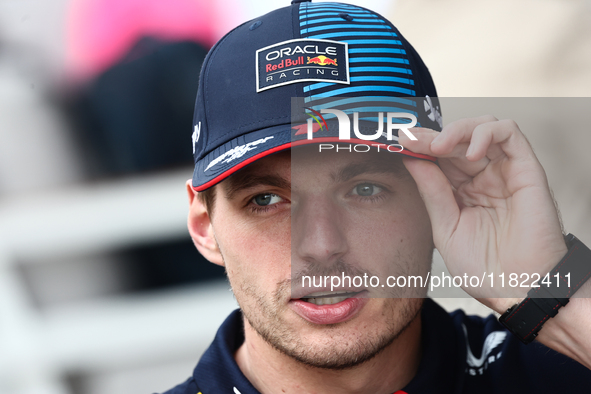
470 150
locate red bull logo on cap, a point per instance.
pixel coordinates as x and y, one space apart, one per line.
322 61
302 60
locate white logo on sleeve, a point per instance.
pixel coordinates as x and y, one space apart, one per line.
196 134
479 365
237 152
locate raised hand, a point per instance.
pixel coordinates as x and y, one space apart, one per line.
489 202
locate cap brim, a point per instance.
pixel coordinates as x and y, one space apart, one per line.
248 148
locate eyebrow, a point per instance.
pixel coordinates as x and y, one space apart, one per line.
247 180
239 182
352 170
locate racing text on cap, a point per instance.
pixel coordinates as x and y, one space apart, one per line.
302 60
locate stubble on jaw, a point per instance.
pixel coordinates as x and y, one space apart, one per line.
263 314
336 354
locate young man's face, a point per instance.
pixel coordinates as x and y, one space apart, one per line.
320 214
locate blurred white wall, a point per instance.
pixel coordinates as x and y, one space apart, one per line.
501 48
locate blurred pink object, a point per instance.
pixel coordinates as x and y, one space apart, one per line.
100 32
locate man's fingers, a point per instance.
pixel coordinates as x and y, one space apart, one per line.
438 196
456 133
454 163
423 142
473 140
498 138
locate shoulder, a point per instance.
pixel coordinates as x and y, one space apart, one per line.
217 371
497 362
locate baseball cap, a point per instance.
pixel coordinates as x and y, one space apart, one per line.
320 53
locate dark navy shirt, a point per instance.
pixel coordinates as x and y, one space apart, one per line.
461 355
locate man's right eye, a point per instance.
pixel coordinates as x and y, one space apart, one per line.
266 199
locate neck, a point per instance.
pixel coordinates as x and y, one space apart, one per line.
271 371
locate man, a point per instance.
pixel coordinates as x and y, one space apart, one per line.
276 198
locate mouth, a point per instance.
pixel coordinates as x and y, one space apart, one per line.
328 297
329 307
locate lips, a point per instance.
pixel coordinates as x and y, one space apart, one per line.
328 298
329 307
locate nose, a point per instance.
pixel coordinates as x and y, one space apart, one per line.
317 231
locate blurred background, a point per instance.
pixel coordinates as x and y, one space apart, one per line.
101 290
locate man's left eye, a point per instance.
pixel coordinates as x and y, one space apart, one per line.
366 190
266 199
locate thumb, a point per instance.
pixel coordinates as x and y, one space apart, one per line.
438 197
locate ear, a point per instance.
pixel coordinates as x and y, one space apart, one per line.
200 228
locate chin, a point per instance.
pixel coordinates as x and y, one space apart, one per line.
337 346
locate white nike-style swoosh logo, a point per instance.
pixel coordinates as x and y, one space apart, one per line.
237 152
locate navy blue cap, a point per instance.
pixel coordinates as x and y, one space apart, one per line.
314 51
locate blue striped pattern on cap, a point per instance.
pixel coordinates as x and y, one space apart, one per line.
380 72
378 64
